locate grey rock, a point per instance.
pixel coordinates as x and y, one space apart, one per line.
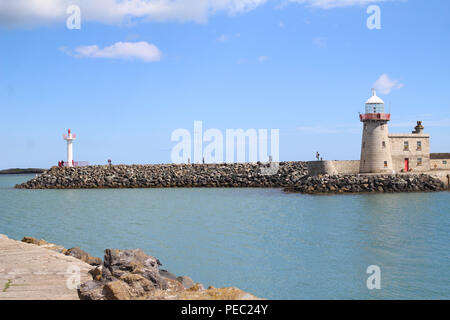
167 274
186 282
118 263
91 290
83 256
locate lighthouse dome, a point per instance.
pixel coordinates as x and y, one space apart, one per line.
374 98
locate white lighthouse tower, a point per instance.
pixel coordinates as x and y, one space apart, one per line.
375 149
69 137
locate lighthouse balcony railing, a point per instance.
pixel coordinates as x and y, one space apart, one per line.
77 164
66 136
375 116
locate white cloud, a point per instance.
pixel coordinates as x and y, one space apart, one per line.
223 38
385 85
29 13
226 38
328 4
320 42
120 50
19 13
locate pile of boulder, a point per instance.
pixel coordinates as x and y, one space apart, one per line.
292 176
366 184
224 175
134 275
73 252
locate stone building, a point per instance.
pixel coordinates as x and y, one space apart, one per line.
410 152
382 152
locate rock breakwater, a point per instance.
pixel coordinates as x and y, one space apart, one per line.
324 184
134 275
291 176
168 176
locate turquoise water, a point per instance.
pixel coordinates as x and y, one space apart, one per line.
272 244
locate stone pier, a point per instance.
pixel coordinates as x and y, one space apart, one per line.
31 272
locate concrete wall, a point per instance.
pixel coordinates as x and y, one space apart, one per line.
375 148
413 153
333 167
321 167
440 164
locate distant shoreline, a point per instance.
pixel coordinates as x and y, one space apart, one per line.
22 171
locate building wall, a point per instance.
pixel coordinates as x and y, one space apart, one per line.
375 148
440 164
413 153
347 166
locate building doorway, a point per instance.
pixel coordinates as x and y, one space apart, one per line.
406 164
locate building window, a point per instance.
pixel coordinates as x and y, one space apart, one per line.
419 145
383 144
406 146
419 162
364 144
444 162
385 164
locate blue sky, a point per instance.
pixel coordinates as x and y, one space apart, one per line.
303 67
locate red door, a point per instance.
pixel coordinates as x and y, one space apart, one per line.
406 165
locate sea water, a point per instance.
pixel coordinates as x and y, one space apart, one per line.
264 241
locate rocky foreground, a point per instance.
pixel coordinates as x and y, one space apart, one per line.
134 275
324 184
169 176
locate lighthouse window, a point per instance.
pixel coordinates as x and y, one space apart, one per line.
406 146
385 164
444 162
419 145
383 144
